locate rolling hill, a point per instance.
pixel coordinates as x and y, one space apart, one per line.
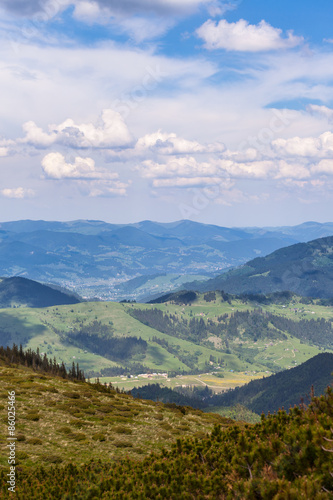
212 333
304 268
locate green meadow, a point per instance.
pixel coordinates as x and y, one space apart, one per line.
47 329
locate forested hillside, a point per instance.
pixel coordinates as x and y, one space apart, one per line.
304 268
282 390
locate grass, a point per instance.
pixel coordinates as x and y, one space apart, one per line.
62 421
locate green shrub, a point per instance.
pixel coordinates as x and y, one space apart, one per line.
166 426
79 436
72 395
51 458
105 409
123 444
20 437
32 416
99 437
35 441
79 423
65 430
121 429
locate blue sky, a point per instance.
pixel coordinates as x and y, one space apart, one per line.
217 111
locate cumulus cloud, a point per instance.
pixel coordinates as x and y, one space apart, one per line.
18 193
322 111
291 171
187 171
254 169
111 132
245 37
306 147
55 166
92 181
323 167
171 144
178 167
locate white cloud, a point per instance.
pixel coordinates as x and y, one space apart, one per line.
115 7
323 167
91 181
297 146
178 167
245 37
36 136
322 111
159 7
171 144
141 19
291 171
112 132
106 190
229 197
4 151
254 169
55 166
176 171
306 147
185 182
18 193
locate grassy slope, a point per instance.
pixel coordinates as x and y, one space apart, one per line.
65 421
35 328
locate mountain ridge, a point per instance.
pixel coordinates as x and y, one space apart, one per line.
303 268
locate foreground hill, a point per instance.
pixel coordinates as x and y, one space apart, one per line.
284 456
70 421
304 268
17 292
95 258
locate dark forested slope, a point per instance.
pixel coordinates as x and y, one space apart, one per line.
304 268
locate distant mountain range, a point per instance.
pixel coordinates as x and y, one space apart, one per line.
304 268
17 292
95 258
